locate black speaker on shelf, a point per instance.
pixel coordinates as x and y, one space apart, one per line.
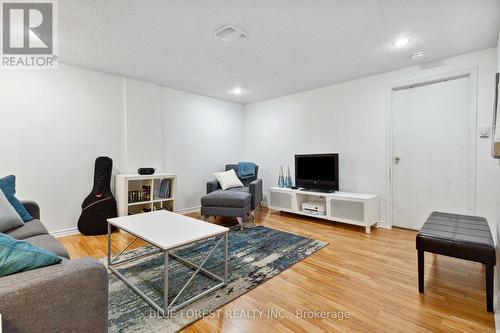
146 171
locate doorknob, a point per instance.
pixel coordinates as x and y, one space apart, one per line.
396 158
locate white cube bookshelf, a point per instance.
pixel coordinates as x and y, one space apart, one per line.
135 182
352 208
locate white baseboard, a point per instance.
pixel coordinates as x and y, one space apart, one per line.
74 231
383 224
65 232
195 209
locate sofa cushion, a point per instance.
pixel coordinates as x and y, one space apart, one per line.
29 229
9 218
8 186
19 256
50 243
230 198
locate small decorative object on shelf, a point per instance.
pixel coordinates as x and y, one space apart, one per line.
146 171
140 195
288 178
281 178
165 189
146 192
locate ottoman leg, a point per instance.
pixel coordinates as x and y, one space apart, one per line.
421 271
489 287
240 221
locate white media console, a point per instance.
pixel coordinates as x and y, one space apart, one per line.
351 208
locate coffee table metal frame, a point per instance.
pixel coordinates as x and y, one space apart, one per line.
170 307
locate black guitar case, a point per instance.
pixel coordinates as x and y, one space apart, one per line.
100 204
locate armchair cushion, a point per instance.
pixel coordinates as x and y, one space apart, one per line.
227 198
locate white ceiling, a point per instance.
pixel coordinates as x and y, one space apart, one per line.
293 46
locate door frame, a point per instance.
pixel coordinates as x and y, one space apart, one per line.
471 73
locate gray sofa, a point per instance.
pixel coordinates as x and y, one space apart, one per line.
71 296
235 202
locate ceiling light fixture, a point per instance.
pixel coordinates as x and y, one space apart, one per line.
237 91
402 41
418 55
229 33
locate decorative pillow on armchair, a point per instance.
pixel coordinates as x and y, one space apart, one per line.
228 179
8 186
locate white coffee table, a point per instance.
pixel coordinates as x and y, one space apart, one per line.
168 231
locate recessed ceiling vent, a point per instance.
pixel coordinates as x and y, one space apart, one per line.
229 33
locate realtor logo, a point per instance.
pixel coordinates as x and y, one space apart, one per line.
29 34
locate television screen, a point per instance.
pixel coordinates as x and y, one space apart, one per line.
317 171
316 168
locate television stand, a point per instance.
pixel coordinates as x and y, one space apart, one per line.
319 190
351 208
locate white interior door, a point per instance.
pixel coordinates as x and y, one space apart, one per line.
433 151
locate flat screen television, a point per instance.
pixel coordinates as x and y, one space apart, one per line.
317 172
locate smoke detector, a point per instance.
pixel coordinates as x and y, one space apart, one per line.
229 33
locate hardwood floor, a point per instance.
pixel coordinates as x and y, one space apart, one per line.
371 276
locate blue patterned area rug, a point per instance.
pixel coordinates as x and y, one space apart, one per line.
256 254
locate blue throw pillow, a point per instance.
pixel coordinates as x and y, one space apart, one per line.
19 256
8 187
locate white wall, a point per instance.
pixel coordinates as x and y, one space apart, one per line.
201 135
144 128
350 118
498 52
53 124
182 133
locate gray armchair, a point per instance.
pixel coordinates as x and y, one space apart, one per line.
235 202
253 185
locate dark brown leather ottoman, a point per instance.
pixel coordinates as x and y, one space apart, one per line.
459 236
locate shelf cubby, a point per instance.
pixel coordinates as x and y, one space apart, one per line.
154 201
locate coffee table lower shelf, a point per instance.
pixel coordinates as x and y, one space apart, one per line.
167 308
